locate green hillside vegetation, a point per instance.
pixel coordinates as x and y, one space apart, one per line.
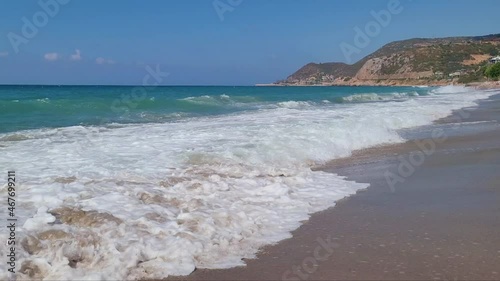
449 58
493 71
462 58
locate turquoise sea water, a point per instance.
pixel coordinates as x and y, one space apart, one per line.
154 182
33 107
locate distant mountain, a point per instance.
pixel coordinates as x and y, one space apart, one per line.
409 62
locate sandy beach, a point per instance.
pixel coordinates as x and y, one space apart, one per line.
439 222
235 185
250 140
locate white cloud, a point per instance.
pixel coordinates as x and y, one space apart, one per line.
76 56
101 60
4 54
52 56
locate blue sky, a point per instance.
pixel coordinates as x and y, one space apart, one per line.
258 41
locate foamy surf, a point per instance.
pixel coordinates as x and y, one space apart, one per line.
372 97
154 200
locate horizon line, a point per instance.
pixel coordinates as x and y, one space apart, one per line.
124 85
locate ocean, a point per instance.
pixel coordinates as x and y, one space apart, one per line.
35 107
132 183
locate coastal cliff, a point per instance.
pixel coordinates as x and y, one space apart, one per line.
409 62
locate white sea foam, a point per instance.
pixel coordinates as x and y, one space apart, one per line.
45 100
149 201
371 97
222 100
294 104
451 89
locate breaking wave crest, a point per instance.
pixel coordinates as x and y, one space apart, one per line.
221 100
153 200
372 97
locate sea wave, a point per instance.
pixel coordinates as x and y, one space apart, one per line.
207 192
451 89
220 100
44 100
15 137
372 97
295 104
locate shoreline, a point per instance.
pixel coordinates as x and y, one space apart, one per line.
477 85
434 226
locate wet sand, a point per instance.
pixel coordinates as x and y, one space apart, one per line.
442 222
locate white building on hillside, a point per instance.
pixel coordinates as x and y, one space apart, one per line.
495 59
